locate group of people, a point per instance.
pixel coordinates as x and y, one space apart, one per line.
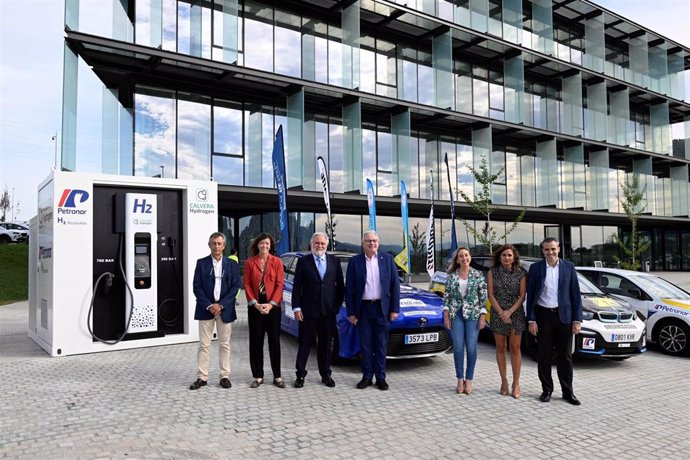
553 314
372 297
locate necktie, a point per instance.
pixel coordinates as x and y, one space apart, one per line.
320 265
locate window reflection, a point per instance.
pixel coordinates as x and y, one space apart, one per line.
154 133
228 170
193 139
258 45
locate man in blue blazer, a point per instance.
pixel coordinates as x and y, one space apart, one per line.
372 298
216 282
554 314
317 294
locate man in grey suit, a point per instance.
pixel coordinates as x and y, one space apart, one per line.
554 313
317 294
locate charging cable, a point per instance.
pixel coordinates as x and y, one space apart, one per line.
108 284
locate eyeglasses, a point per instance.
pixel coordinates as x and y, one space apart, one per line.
371 241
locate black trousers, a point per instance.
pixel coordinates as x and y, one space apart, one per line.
554 333
322 329
259 326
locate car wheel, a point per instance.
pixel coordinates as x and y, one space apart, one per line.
673 337
4 239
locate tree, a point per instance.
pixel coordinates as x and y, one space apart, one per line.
481 203
5 204
633 205
418 246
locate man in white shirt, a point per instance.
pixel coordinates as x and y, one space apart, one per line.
372 297
554 313
216 283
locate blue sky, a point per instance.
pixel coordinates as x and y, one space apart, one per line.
31 49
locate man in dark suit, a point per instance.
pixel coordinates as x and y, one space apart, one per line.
216 282
372 298
317 294
554 313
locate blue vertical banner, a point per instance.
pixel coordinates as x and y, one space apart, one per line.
283 243
371 202
403 259
453 238
431 232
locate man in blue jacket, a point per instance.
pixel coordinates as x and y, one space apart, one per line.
372 298
554 313
216 282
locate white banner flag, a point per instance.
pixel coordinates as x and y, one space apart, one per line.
431 233
323 172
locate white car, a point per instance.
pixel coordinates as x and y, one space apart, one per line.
10 236
665 306
19 228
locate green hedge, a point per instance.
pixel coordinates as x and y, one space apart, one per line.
14 260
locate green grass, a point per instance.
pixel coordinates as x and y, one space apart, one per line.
14 261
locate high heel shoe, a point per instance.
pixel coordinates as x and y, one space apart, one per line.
461 387
516 391
504 388
468 387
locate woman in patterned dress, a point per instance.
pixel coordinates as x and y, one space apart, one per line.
464 314
507 282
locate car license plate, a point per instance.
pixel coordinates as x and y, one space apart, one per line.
411 339
622 337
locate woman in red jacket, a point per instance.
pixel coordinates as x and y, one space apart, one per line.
263 285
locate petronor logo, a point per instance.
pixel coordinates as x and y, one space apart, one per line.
71 197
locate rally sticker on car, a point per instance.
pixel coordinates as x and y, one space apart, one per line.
604 302
678 308
588 343
411 303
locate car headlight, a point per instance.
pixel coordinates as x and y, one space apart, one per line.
587 315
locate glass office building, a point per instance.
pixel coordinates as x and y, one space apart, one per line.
566 99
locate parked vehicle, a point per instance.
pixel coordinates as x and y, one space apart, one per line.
418 331
664 306
8 235
610 326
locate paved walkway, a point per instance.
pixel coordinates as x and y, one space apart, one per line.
136 404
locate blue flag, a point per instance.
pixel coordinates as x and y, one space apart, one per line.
371 201
453 239
283 242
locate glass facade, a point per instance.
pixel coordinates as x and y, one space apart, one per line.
562 112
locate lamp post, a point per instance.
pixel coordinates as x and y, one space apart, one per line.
12 204
55 138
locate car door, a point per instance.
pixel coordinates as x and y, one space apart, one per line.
621 286
287 319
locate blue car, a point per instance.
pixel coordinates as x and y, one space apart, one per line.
418 332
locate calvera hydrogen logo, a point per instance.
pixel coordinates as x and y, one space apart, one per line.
200 205
70 207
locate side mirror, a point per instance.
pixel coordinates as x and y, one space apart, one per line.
636 293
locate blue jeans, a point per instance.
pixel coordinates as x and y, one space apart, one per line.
464 333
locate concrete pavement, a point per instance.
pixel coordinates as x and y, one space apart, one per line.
136 404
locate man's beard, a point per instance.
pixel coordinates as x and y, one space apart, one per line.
319 252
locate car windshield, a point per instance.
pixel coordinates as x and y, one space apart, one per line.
659 287
586 286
